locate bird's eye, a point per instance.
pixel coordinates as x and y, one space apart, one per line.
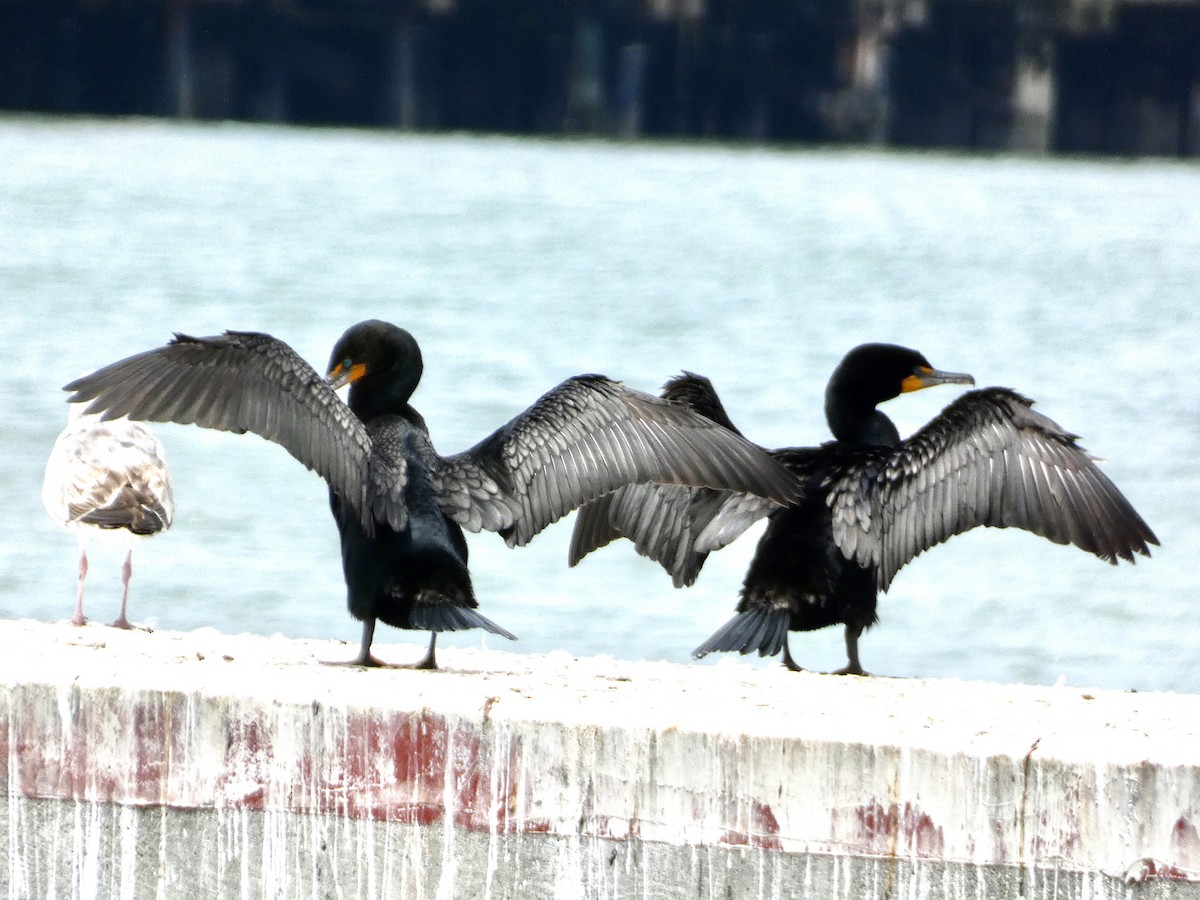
347 363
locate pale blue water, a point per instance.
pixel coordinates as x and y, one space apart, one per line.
517 263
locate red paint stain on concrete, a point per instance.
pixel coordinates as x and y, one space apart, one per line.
400 767
999 844
78 752
4 756
484 784
896 831
1149 869
150 752
1185 844
245 777
1057 830
146 749
763 833
384 767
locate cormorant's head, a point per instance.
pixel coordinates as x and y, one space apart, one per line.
870 374
873 373
378 360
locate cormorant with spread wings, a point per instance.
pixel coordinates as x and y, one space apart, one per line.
399 506
871 502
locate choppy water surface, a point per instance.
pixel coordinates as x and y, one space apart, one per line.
517 263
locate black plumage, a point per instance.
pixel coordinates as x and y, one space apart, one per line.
401 508
871 502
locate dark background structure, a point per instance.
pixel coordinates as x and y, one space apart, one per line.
1103 76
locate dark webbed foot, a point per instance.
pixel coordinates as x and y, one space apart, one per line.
364 658
853 666
429 660
850 670
369 661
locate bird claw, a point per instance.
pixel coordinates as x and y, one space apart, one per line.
367 662
851 670
373 662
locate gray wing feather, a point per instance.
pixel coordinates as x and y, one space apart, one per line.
988 459
660 519
586 438
721 526
731 520
239 382
388 472
675 526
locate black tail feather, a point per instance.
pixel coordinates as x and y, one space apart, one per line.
761 630
438 617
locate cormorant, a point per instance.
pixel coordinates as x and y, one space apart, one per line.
107 479
871 502
400 507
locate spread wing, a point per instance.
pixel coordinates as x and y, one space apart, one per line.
987 459
239 382
586 438
664 522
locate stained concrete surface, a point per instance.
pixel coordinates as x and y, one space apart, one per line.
143 764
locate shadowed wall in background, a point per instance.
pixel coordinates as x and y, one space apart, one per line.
1069 75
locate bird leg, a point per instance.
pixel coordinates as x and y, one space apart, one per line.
83 567
853 666
126 571
787 658
364 657
428 661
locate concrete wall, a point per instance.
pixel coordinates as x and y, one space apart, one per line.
204 765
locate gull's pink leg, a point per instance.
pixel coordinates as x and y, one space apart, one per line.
126 571
83 567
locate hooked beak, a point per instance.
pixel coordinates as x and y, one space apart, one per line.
924 377
340 376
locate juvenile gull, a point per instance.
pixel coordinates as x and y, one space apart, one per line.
107 479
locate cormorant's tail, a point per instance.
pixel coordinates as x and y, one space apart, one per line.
761 630
451 617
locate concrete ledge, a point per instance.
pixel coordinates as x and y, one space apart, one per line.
206 765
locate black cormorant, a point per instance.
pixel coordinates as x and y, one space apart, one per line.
108 480
400 507
871 502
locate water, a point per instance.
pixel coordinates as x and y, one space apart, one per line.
517 263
